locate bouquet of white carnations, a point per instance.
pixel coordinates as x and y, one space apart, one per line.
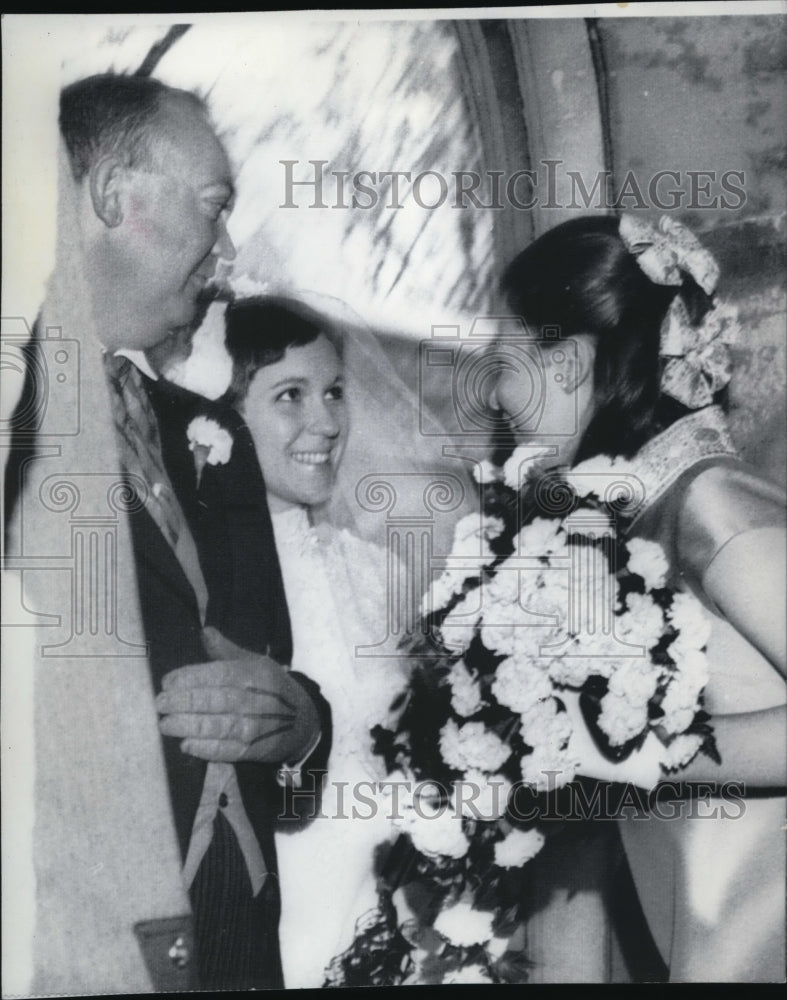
527 608
562 602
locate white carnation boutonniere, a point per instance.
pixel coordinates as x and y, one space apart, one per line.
210 442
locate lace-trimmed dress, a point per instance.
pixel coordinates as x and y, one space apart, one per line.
335 588
713 888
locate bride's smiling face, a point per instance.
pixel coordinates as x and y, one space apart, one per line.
297 416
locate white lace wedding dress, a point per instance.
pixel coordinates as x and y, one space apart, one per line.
335 587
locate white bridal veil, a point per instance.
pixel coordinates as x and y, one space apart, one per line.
394 482
394 471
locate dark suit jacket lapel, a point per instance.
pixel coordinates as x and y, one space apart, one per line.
229 517
173 630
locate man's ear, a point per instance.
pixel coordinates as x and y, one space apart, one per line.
105 178
579 362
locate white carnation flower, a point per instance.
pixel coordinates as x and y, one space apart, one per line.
551 594
472 535
481 796
642 623
542 537
535 644
591 477
546 728
472 746
203 432
498 628
635 680
692 623
589 585
485 472
501 594
441 590
521 462
464 926
587 654
677 717
573 671
498 638
512 599
500 597
436 830
518 686
648 560
598 643
620 720
518 847
681 751
681 701
473 973
547 769
692 671
466 697
589 522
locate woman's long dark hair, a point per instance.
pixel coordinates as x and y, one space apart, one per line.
580 277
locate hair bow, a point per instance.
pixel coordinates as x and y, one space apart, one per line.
697 358
698 361
670 251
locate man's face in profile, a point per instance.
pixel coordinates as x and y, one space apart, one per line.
173 226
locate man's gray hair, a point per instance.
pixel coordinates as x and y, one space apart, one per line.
114 113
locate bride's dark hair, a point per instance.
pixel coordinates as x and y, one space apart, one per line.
259 330
581 278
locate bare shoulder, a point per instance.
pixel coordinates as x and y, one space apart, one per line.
733 493
720 502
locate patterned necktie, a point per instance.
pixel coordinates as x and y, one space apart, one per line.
140 444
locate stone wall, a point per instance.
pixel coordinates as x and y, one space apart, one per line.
707 94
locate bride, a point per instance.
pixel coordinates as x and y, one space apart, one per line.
646 370
288 382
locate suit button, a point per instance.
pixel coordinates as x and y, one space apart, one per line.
179 953
223 801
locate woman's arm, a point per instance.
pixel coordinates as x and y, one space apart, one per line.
747 581
752 747
742 571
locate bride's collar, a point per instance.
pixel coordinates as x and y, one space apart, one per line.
296 529
293 514
662 460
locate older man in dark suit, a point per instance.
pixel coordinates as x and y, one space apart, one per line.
154 189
